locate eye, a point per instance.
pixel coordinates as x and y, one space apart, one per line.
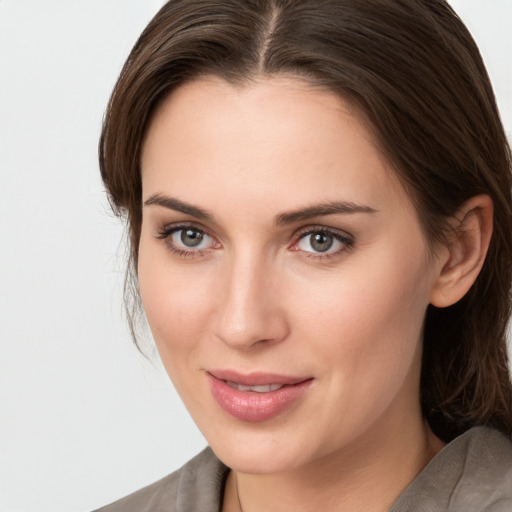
322 242
187 240
190 238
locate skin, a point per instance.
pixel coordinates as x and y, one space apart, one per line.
256 296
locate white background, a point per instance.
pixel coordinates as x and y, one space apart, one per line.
84 419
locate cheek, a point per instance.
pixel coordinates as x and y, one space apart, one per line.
364 333
175 309
174 301
370 318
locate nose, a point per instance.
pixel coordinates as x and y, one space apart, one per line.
250 312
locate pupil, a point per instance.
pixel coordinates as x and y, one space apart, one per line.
191 238
321 242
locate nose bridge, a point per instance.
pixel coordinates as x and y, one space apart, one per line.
247 312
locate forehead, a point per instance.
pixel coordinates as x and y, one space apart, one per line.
274 138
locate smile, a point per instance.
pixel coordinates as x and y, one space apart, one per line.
256 397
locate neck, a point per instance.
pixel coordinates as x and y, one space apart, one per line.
369 476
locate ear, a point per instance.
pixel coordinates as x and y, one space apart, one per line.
465 254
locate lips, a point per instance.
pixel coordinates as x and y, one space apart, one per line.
257 396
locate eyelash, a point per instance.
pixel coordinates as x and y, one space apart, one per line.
166 233
341 237
347 240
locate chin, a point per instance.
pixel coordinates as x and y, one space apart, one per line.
255 450
256 461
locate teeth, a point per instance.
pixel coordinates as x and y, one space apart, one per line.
257 389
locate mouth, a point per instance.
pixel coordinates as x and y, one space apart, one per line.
255 389
257 396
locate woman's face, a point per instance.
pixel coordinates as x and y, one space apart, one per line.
283 272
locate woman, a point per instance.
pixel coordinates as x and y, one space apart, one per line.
319 206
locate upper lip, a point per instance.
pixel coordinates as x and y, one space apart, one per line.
256 378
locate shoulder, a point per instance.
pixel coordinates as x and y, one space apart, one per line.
486 472
473 473
196 486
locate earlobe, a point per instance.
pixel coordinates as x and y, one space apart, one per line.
472 230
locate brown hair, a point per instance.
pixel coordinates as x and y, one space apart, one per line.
414 72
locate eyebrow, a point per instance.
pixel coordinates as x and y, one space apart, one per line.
175 204
318 210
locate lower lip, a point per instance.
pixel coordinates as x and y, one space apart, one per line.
253 406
